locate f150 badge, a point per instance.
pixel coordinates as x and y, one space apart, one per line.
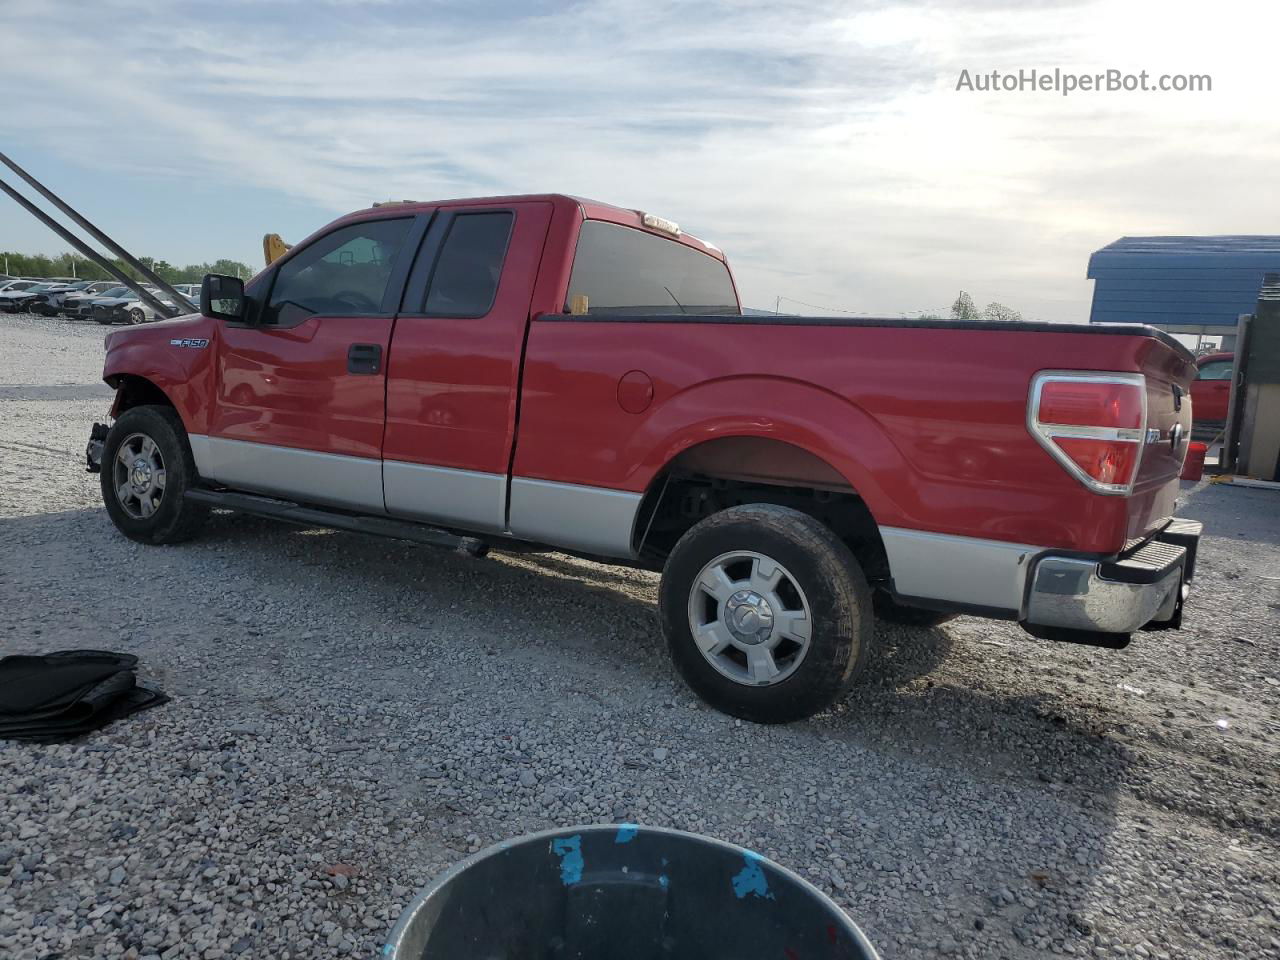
197 344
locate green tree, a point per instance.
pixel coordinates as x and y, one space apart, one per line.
998 312
73 265
963 308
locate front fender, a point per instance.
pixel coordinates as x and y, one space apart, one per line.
176 356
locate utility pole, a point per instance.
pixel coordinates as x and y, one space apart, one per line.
777 305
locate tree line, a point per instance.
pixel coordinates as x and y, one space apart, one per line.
70 265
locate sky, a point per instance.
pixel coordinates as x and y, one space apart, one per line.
824 146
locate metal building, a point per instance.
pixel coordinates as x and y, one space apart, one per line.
1188 285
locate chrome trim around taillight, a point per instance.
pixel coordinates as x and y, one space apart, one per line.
1045 436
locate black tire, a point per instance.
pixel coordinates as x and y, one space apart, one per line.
890 611
825 571
173 518
136 316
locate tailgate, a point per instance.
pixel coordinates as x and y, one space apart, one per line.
1169 377
1168 427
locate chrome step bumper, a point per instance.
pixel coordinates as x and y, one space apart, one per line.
1102 602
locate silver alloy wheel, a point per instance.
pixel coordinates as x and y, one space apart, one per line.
139 475
750 618
137 316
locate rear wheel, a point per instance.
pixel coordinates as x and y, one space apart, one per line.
766 613
147 468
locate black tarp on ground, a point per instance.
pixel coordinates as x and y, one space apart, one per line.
60 696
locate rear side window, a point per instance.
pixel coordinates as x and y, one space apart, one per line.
466 276
344 273
1215 370
619 269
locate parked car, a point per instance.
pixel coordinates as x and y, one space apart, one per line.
792 477
109 310
135 310
48 302
72 302
19 300
14 285
1211 391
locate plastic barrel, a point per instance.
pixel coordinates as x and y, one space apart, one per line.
1193 466
623 892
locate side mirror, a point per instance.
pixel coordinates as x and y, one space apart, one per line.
223 298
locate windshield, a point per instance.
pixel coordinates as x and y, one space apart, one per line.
620 269
114 292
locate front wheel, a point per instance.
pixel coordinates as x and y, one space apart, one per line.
766 613
147 468
136 316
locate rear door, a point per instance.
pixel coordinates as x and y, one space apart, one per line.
454 372
300 399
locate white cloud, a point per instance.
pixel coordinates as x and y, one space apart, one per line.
823 146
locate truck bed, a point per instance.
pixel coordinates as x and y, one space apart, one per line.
926 420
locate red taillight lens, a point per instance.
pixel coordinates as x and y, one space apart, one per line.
1112 462
1091 404
1093 424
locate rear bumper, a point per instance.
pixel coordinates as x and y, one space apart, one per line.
1093 601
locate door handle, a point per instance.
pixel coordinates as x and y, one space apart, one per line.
364 358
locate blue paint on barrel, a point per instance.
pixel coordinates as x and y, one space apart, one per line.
648 893
569 850
751 878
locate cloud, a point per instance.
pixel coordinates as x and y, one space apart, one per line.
823 145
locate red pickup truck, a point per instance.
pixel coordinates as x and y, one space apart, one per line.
541 372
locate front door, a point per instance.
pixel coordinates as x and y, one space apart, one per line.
301 392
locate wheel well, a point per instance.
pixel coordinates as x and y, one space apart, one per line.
732 471
135 391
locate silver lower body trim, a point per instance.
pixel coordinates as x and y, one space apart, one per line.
592 520
460 498
965 570
589 519
354 483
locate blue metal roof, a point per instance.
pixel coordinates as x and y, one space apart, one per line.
1175 280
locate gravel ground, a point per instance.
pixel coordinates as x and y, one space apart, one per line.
351 716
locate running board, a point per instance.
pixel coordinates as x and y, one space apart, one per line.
335 520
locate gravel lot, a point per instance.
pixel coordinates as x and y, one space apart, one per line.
351 716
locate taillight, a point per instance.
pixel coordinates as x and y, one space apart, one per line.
1094 424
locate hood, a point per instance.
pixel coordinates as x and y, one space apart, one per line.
191 326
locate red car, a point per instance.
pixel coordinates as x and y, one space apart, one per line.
549 372
1211 390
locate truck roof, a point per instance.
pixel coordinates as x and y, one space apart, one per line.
590 210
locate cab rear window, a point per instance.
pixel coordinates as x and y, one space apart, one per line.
619 269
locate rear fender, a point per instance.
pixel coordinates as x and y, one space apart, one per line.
817 421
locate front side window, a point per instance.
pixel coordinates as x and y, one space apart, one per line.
620 269
466 276
1216 370
344 273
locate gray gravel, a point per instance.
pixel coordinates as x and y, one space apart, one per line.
351 716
